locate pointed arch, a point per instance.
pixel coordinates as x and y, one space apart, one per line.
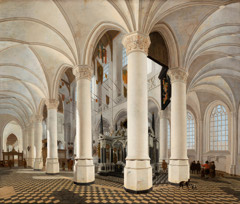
171 42
93 38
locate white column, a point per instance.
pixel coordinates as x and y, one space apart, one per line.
52 164
234 142
84 172
30 161
138 171
1 144
163 153
25 144
179 166
38 163
200 141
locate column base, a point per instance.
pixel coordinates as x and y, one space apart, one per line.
52 166
233 169
138 176
84 172
178 170
38 164
138 192
30 162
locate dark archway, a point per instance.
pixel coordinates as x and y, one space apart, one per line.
158 50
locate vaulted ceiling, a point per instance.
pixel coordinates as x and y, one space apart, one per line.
38 38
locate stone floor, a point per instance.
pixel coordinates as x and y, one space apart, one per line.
28 186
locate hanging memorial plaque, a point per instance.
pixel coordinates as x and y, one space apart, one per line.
165 84
165 87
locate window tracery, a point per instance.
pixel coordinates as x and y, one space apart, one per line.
124 57
219 129
105 71
190 131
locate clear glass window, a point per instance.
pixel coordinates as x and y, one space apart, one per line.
219 129
190 131
124 57
105 72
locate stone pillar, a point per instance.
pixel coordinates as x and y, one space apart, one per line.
30 161
200 141
179 166
38 163
1 144
138 171
234 143
84 168
163 141
25 142
52 164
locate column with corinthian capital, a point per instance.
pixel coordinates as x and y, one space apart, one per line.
138 171
30 153
163 153
234 143
178 167
25 142
84 172
52 164
38 163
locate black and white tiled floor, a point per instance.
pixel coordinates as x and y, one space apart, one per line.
28 186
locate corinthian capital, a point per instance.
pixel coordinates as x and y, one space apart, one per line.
136 42
38 118
178 75
83 72
52 103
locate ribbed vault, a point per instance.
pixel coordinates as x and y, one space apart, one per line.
41 39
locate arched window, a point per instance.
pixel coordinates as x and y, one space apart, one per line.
105 71
169 134
124 57
92 88
190 131
219 128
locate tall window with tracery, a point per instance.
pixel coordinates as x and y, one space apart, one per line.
124 57
219 128
169 134
92 88
105 71
190 131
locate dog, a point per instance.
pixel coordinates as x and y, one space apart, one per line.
187 184
193 186
184 183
